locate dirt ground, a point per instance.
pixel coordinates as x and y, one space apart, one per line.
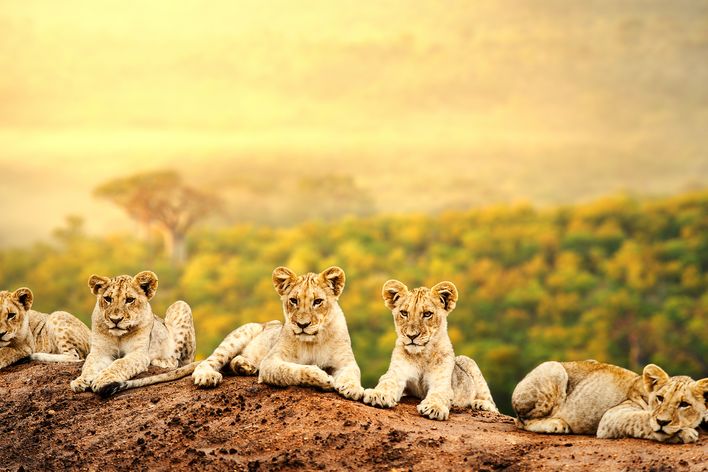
242 425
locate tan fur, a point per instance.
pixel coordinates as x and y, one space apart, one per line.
423 363
127 337
243 349
56 337
313 340
589 397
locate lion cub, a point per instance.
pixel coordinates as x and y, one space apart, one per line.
423 363
127 337
311 348
589 397
57 337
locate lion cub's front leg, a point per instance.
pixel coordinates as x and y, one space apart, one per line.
347 377
96 361
10 355
275 371
389 390
626 420
347 382
629 420
121 370
436 404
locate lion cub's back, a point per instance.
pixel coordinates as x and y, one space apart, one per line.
593 388
71 329
160 340
257 349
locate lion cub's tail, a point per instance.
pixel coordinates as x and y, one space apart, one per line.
178 373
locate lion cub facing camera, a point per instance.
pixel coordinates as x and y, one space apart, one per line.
423 363
126 337
312 347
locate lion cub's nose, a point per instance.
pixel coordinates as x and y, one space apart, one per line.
663 423
413 336
3 334
116 319
303 325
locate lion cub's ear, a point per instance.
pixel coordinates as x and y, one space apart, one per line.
283 279
392 291
24 296
97 283
446 292
147 281
334 277
654 377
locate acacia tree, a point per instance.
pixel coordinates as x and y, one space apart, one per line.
161 200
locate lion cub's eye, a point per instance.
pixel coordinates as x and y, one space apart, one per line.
404 313
293 301
317 302
427 314
129 300
11 315
659 398
108 299
683 405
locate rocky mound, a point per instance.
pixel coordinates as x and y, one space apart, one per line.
242 425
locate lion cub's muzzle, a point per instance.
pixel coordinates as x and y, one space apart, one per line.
116 323
304 329
5 338
663 427
413 341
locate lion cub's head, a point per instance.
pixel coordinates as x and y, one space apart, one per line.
308 299
419 314
675 402
13 311
123 300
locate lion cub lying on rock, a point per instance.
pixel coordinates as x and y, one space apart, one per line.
57 337
589 397
423 363
311 348
127 337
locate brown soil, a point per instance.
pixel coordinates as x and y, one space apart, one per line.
242 425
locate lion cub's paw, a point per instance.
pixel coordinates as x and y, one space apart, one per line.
349 389
433 409
688 435
379 398
548 426
102 381
484 405
316 377
205 376
80 384
241 366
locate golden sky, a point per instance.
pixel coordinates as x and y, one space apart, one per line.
314 68
102 87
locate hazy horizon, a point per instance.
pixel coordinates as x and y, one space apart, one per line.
426 108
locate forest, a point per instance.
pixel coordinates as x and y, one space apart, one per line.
619 279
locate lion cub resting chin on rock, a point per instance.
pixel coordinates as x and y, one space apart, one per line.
126 337
423 363
311 348
57 337
589 397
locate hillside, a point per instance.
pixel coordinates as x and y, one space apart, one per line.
618 280
246 426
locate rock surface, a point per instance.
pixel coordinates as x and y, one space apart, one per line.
242 425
